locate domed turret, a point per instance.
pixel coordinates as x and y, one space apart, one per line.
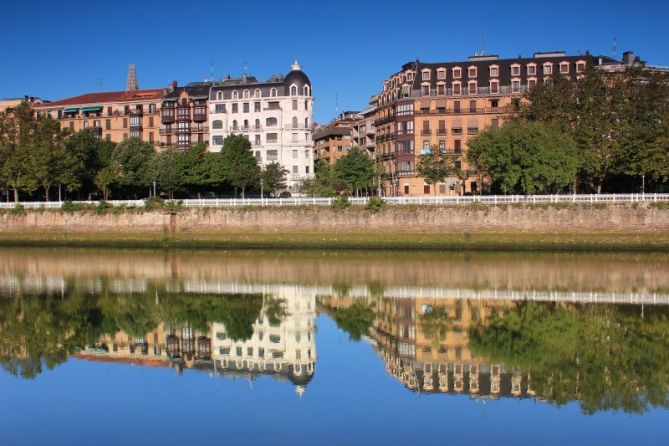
298 79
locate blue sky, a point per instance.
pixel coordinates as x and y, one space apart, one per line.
60 49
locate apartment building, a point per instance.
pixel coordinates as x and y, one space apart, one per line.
276 116
115 116
183 115
335 139
365 130
427 107
9 104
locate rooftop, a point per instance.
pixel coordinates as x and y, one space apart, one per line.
105 97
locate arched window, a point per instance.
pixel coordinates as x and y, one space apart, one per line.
234 125
257 124
272 92
256 93
294 122
305 90
306 104
246 94
306 123
293 90
270 122
246 124
235 94
219 95
217 124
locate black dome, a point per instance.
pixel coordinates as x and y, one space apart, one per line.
297 77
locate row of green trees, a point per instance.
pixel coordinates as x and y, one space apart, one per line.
37 156
353 174
606 132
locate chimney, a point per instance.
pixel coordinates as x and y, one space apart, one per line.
174 85
132 78
628 58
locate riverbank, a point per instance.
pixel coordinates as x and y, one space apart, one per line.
595 241
478 227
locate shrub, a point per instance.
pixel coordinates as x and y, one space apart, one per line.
68 206
174 206
340 203
154 203
375 204
103 207
18 209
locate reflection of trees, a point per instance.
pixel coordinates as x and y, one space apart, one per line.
435 324
275 310
44 329
356 319
606 356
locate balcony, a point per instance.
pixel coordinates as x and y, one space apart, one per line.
406 173
298 127
167 118
426 132
441 131
199 116
272 107
164 131
183 130
501 90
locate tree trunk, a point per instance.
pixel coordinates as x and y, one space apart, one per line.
16 195
46 192
60 192
243 192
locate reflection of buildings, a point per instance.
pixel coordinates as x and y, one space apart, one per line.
279 346
425 345
282 346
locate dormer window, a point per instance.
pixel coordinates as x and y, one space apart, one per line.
235 94
494 71
441 73
564 67
256 93
531 69
245 94
293 90
515 70
457 88
580 66
457 73
472 87
272 92
548 68
306 90
219 95
426 75
472 72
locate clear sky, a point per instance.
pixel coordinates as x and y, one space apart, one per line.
60 49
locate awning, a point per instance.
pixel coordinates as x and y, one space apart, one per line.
92 108
71 109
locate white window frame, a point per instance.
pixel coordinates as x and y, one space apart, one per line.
496 68
515 66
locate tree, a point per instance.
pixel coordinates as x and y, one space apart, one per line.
273 177
17 150
355 170
164 168
52 162
103 179
435 167
193 166
324 184
525 157
240 168
131 161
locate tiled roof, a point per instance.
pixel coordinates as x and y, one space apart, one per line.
112 96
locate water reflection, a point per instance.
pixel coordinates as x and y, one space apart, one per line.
552 327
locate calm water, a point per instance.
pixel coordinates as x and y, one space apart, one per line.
154 347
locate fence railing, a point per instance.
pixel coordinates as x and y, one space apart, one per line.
406 200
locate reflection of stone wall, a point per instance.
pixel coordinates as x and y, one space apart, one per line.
393 218
536 271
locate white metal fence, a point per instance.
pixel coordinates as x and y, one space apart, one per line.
408 200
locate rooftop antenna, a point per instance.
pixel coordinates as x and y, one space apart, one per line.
211 72
615 47
100 84
246 68
336 104
482 44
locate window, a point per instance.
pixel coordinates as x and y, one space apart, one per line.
295 151
442 146
271 138
515 70
457 88
306 123
256 107
217 124
293 90
107 124
235 94
294 122
125 123
109 111
235 126
306 91
426 146
580 67
425 90
224 351
472 87
295 169
272 155
256 125
548 68
457 145
531 69
257 140
494 87
272 92
472 106
294 138
531 83
306 104
306 153
261 352
221 336
151 137
564 67
219 95
219 108
456 106
85 124
494 71
472 72
426 75
245 107
294 104
457 73
235 108
441 73
515 86
152 108
271 122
